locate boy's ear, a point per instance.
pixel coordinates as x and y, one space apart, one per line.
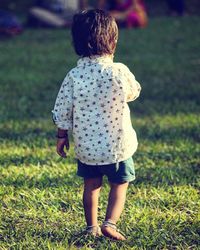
114 45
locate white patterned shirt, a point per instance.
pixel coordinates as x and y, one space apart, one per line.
92 102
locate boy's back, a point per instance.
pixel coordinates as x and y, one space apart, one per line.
96 93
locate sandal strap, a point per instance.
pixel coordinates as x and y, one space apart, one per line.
108 223
88 227
91 228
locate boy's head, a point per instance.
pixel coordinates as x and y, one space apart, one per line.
94 32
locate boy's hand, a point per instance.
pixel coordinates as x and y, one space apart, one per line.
62 143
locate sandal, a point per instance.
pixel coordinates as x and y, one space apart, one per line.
93 230
109 229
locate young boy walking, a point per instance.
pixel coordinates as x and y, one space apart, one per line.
92 102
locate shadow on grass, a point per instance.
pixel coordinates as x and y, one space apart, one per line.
151 130
83 239
41 181
168 175
170 133
55 233
30 159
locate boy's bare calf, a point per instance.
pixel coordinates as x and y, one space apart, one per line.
91 192
116 201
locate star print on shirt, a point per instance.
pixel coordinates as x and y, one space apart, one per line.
91 102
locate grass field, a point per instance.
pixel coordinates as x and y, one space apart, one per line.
40 194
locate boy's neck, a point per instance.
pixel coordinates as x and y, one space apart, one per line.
103 55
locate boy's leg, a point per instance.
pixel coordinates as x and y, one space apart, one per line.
91 192
116 201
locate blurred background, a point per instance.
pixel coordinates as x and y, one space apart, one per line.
58 13
155 7
159 41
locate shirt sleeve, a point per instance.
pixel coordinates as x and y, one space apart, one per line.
63 109
133 87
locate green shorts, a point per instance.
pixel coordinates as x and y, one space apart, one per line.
122 172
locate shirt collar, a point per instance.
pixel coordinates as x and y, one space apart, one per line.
94 60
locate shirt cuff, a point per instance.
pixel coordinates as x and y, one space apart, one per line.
65 125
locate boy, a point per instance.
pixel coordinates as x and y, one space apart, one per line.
92 102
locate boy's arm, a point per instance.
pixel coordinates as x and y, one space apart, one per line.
62 114
133 87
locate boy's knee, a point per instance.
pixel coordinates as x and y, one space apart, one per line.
119 185
93 184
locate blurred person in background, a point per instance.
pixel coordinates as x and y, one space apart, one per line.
52 13
128 13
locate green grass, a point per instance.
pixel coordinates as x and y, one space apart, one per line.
40 194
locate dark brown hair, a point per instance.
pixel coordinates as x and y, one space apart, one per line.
94 32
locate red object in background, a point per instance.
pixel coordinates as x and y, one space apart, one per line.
136 17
